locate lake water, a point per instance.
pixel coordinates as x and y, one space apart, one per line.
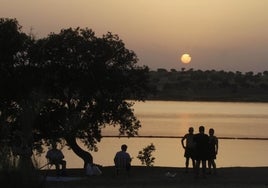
242 129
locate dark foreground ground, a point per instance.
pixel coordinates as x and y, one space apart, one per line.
157 177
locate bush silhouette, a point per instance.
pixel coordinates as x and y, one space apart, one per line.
146 155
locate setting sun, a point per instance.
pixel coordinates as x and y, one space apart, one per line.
186 58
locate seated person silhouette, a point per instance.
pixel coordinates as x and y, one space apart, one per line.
122 160
55 157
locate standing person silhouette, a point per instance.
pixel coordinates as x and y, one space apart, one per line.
212 151
201 143
189 148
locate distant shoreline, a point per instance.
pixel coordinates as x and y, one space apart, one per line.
148 136
206 100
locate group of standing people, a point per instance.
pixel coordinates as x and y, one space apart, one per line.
201 149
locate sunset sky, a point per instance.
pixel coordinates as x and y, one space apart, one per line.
230 35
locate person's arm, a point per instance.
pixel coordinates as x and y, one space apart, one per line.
115 159
216 145
129 158
182 141
61 154
48 154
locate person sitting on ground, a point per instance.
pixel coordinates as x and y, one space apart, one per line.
122 159
55 157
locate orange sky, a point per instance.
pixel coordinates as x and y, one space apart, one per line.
228 35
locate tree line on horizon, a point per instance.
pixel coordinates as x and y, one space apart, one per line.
209 85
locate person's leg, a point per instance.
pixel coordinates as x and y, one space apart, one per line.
197 166
57 168
186 164
128 167
193 163
63 164
209 166
204 168
213 163
63 167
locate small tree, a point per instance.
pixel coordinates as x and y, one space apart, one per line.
146 155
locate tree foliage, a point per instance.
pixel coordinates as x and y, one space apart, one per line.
13 45
69 86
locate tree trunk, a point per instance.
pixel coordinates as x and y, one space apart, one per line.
86 156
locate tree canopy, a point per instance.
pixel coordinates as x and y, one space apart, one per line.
67 86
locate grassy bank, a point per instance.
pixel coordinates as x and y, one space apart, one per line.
157 177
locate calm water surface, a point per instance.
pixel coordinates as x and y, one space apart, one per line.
172 119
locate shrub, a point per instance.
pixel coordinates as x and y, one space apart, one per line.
146 155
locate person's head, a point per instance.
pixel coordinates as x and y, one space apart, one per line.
201 129
191 130
211 132
124 147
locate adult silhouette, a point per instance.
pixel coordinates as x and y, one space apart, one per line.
188 144
201 141
122 160
212 151
55 157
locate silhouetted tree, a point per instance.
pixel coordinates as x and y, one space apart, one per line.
88 81
15 129
66 87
